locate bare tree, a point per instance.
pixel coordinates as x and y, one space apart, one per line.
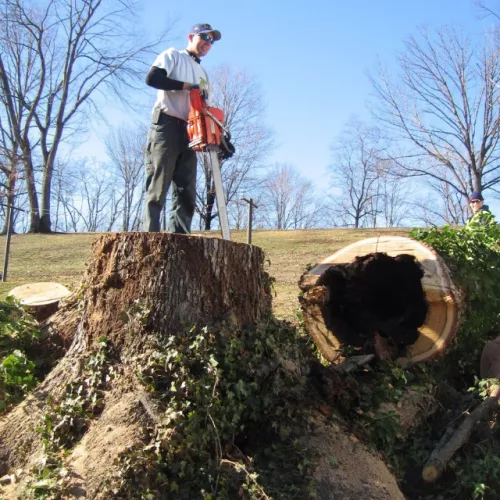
287 200
94 201
395 195
125 147
239 214
64 190
445 107
394 200
13 201
56 56
485 10
14 120
239 96
87 197
356 170
440 205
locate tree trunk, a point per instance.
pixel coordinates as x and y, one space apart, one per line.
45 223
414 309
11 186
32 194
137 287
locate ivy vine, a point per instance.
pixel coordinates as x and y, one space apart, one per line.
232 414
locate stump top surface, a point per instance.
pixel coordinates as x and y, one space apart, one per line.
39 294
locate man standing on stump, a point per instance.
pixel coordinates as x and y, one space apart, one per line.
168 157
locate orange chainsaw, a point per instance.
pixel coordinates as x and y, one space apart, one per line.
207 134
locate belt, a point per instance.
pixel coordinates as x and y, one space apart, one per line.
167 118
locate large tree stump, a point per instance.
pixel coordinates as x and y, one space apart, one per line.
162 282
358 294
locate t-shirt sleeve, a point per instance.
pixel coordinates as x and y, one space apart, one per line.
166 60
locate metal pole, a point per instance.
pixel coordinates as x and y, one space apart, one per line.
164 217
7 243
251 206
249 228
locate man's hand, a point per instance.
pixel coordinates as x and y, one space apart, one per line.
189 86
227 148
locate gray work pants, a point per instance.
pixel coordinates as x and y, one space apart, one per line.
168 159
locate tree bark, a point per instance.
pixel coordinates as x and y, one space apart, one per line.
490 359
172 282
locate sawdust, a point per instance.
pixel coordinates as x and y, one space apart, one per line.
8 491
345 469
413 408
117 430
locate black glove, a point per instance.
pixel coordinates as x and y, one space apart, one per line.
227 149
194 87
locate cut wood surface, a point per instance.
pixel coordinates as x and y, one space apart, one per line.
42 299
440 293
39 294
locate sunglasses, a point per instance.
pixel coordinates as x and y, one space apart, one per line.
472 202
206 38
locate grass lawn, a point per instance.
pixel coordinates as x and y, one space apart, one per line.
63 257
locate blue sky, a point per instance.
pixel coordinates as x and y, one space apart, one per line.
310 58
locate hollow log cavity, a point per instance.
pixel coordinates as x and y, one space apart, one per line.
375 294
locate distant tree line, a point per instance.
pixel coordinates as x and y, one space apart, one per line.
433 138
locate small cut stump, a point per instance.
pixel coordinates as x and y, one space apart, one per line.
42 299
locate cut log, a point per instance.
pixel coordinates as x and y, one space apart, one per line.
137 286
39 294
386 289
451 442
444 452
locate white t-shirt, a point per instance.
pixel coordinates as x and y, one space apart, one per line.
180 66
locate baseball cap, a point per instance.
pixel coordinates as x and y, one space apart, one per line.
476 195
205 28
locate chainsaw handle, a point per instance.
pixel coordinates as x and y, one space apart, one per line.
198 99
